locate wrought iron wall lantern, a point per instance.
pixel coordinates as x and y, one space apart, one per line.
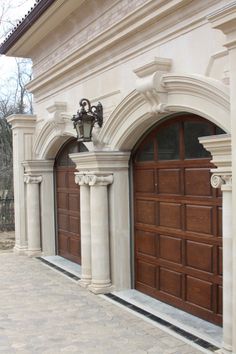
85 119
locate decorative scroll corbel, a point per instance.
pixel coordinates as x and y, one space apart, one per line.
149 84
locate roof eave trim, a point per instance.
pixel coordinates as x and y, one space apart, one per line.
25 25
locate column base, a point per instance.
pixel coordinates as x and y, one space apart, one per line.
20 250
84 282
34 253
100 289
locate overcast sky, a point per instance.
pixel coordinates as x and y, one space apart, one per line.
10 12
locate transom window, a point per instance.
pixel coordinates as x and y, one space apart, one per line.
177 140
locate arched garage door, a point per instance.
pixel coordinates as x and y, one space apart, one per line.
178 243
68 203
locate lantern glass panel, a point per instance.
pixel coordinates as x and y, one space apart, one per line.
80 131
87 127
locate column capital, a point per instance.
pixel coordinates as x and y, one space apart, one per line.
94 179
223 181
81 179
32 179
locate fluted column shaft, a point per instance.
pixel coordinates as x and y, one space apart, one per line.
33 214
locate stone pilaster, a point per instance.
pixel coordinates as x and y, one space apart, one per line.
224 181
100 248
23 127
220 148
85 229
225 21
99 165
44 168
33 214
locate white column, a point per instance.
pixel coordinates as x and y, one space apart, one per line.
33 214
225 182
100 248
85 230
23 127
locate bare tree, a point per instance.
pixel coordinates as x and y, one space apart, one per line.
9 15
14 98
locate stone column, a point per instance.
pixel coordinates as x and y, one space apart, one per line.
100 250
23 127
224 19
225 183
44 168
85 229
33 214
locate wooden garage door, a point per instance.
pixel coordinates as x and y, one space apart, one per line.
178 243
68 203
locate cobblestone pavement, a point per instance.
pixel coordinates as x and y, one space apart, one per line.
43 311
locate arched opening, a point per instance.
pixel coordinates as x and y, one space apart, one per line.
177 218
67 195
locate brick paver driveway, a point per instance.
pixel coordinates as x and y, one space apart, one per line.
43 311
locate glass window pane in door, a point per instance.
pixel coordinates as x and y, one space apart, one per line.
168 142
146 152
193 131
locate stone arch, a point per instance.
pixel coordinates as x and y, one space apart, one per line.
50 139
196 94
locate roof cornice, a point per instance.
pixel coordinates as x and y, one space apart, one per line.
24 25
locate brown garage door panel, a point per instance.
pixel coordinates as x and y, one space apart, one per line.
170 215
146 243
197 182
199 256
68 205
199 219
170 248
146 212
170 282
178 223
145 181
146 273
199 292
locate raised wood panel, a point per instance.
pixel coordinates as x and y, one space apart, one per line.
199 292
170 282
145 181
74 246
146 212
74 201
170 248
62 200
220 258
63 242
71 180
169 181
170 215
74 225
199 219
197 182
219 221
146 243
220 299
63 221
199 256
61 179
146 273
